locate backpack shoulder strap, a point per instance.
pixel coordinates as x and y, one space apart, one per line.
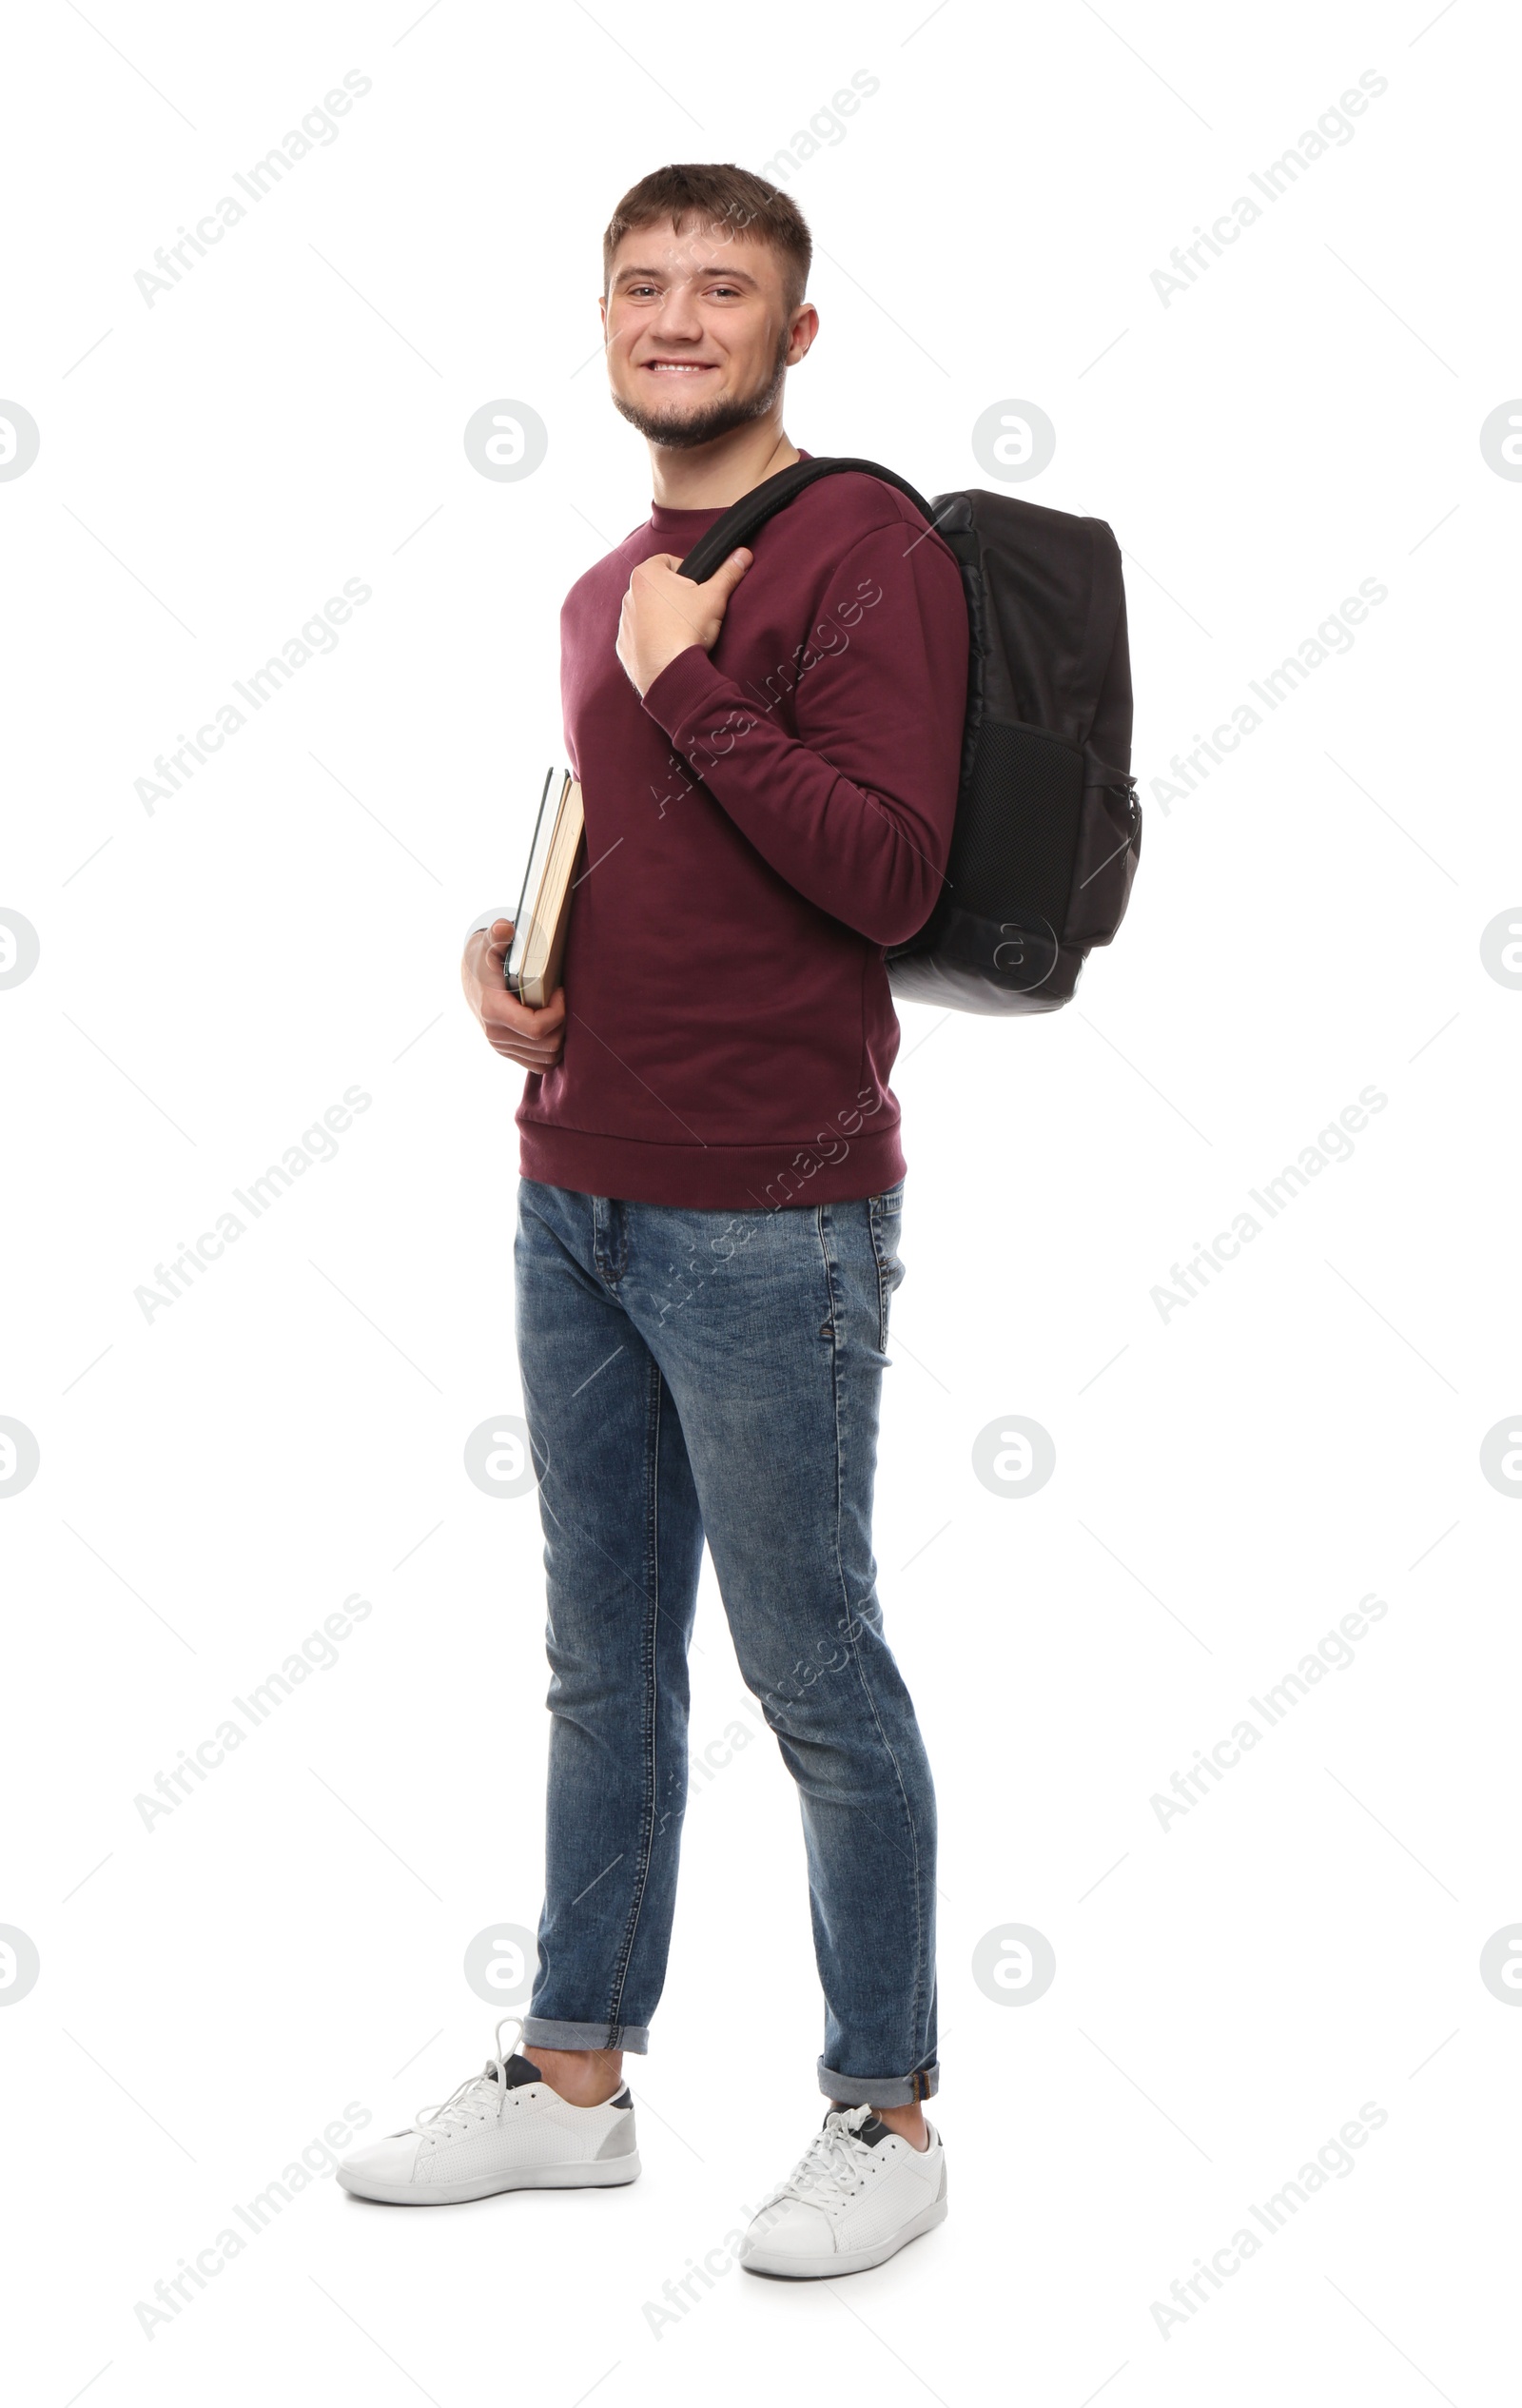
746 516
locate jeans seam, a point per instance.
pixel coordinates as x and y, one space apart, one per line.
882 1289
917 2009
885 1269
825 1226
652 1698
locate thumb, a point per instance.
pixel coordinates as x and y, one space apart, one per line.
728 575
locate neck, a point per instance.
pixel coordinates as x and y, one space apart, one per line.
713 475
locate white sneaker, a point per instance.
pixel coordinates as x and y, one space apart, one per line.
857 2194
503 2130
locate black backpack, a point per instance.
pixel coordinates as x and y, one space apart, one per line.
1048 827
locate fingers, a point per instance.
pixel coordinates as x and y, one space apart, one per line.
680 594
532 1056
486 948
727 576
550 1016
501 1013
532 1036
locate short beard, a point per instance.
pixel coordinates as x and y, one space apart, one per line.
721 417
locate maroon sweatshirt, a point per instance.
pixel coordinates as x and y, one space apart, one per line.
758 829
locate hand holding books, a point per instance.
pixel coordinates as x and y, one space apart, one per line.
534 1039
511 970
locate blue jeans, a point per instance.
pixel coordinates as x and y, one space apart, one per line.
692 1375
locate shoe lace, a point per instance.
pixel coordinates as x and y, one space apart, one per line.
830 2166
487 2088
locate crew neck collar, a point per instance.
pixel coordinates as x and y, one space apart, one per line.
694 523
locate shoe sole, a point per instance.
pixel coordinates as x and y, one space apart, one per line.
845 2261
529 2178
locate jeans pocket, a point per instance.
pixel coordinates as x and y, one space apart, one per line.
885 1213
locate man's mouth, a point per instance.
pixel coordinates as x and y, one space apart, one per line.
679 367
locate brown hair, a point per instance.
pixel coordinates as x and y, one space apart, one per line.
726 198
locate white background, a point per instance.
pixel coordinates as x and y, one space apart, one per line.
1229 1482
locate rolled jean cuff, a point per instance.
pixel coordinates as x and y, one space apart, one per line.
540 2032
879 2090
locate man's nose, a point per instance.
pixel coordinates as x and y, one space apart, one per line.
677 318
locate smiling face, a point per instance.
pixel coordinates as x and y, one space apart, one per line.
699 329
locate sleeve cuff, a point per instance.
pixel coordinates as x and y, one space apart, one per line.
688 684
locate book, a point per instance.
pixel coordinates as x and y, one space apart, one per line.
531 969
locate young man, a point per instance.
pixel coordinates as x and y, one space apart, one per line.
708 1231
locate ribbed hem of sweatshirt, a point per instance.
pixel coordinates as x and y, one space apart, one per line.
782 1173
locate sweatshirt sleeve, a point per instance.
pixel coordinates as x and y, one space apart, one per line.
856 810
